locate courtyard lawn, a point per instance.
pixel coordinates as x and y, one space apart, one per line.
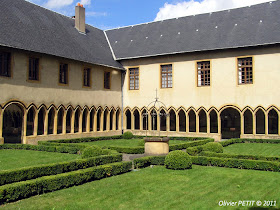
253 149
160 188
12 159
124 142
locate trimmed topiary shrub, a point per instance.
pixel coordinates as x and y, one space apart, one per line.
213 147
141 143
178 160
127 135
92 152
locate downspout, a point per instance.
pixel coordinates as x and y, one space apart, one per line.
122 81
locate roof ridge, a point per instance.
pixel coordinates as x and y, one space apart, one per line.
191 15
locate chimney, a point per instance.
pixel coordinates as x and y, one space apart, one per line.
80 20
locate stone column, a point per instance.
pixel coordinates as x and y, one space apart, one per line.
35 127
88 122
108 121
219 124
114 120
80 123
73 122
24 140
95 121
55 123
141 122
101 121
158 122
208 123
187 123
254 124
167 122
64 122
46 123
266 123
197 123
242 124
1 126
177 123
132 121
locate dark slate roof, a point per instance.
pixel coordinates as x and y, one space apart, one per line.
242 27
26 26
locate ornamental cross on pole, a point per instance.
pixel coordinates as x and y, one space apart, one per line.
156 96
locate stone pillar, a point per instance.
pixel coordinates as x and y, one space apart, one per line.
35 127
114 120
208 123
46 123
95 121
266 123
149 120
167 122
73 122
1 126
55 123
108 121
24 140
219 124
64 122
177 123
197 123
132 121
88 122
101 121
242 124
254 124
80 123
187 123
158 122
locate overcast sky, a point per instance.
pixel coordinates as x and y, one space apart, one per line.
106 14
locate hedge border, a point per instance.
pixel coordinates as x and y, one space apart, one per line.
247 157
20 190
236 141
27 173
59 149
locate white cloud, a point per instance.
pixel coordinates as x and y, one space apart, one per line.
192 7
85 2
58 4
95 14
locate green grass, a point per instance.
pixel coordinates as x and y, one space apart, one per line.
12 159
124 142
160 188
253 149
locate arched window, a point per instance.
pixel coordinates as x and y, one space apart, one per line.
213 122
91 120
51 121
260 122
111 119
172 120
230 123
273 122
84 121
154 119
41 121
105 119
30 122
136 120
182 121
145 120
162 120
60 115
77 121
192 121
99 120
128 119
248 122
68 120
117 119
202 121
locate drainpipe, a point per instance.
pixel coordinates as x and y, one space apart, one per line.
122 83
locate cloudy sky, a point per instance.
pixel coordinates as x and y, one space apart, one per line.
106 14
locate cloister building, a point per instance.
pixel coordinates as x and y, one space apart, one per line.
217 74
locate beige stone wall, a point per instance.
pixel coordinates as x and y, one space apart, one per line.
48 91
224 89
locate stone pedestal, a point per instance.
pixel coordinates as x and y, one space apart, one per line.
1 140
156 145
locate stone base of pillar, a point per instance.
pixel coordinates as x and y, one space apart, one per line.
1 140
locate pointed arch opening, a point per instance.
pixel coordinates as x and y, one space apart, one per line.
260 122
105 119
162 120
192 121
182 121
118 119
136 120
128 119
230 122
77 121
69 120
248 122
154 119
202 121
41 121
112 119
91 120
60 116
12 124
145 120
98 115
213 122
273 122
51 121
30 122
84 120
172 120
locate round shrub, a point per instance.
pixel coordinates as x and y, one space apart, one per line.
178 160
213 147
91 152
127 135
